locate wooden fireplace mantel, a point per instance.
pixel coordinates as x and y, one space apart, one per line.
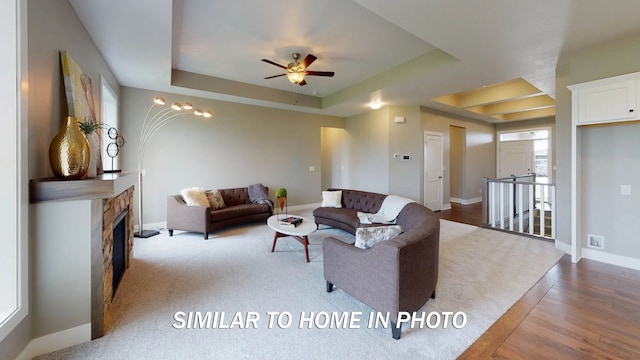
105 186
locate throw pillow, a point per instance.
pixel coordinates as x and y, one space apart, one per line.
215 199
195 197
366 237
332 199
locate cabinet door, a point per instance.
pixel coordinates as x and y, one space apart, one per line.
607 103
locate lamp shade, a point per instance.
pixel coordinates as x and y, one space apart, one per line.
295 77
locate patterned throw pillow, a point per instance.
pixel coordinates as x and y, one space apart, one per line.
366 237
215 199
195 197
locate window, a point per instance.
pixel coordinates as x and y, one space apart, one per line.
13 241
525 135
110 119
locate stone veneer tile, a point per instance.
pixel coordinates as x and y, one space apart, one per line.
111 209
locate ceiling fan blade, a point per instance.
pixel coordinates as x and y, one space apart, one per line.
273 63
308 60
320 73
303 82
275 76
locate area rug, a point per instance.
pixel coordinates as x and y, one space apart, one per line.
274 305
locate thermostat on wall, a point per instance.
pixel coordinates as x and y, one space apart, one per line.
406 157
399 119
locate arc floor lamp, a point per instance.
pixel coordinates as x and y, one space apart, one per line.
153 122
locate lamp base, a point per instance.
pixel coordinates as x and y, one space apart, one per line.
146 233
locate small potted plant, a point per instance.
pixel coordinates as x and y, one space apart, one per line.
88 126
281 195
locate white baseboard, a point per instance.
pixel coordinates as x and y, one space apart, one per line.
613 259
163 224
446 206
466 201
304 207
56 341
566 248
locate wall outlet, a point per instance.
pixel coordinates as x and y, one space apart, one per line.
595 241
312 168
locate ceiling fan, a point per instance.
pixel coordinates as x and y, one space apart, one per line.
296 70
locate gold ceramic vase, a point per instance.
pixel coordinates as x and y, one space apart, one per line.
69 152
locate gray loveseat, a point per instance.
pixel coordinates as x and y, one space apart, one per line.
396 275
238 210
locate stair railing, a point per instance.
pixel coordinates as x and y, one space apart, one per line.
520 204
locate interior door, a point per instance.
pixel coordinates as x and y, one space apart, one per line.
433 181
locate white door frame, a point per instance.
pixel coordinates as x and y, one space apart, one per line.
424 167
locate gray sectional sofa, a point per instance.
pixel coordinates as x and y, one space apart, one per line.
396 275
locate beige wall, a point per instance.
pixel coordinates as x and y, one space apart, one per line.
368 151
405 176
53 27
240 145
372 139
563 155
457 146
335 158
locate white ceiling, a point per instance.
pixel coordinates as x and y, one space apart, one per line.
367 43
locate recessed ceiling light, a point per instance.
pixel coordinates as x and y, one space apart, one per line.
375 105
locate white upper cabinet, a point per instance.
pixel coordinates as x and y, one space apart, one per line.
607 100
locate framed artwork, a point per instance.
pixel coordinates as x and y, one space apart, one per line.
80 103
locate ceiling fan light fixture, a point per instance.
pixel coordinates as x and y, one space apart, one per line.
295 77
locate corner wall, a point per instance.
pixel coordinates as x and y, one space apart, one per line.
54 26
609 157
480 157
368 151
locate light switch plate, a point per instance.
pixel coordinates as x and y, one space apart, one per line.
625 189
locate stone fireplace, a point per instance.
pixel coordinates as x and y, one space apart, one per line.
118 208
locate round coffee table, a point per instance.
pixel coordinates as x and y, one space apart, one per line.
299 232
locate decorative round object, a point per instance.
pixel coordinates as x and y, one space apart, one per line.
119 141
112 132
69 152
114 147
112 150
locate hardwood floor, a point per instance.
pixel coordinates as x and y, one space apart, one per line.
587 310
467 214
